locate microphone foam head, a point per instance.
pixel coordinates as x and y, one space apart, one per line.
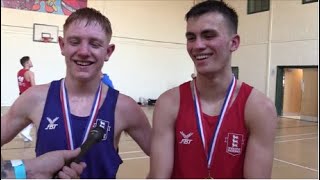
97 133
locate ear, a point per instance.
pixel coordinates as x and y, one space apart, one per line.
61 44
110 50
235 42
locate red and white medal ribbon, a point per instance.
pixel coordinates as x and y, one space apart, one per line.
67 115
198 110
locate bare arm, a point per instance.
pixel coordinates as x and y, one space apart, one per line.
29 76
25 110
46 165
261 119
163 133
15 119
137 124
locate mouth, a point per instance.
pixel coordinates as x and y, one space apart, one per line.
83 63
201 57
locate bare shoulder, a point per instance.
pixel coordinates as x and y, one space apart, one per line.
170 96
29 72
37 92
29 105
27 108
128 112
126 104
259 101
167 106
260 109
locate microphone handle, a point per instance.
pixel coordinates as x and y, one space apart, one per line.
84 149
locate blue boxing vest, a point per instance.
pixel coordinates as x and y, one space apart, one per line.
102 159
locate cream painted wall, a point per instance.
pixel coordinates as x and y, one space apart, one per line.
157 66
16 41
150 55
285 35
252 55
295 36
252 66
160 20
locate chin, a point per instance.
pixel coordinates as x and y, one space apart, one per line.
203 70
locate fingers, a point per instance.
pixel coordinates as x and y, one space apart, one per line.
72 172
68 173
64 175
78 168
83 164
67 154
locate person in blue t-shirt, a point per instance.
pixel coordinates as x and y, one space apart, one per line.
106 80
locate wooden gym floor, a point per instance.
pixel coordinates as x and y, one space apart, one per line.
296 151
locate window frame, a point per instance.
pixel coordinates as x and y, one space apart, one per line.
310 1
257 11
235 71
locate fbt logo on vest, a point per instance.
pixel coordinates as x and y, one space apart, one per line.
52 125
185 138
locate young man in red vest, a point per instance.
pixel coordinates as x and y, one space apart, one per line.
213 126
25 80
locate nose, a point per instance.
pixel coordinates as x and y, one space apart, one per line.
199 44
83 50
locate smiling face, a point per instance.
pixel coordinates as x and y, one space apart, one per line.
210 42
85 47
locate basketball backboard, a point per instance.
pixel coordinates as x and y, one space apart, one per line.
45 33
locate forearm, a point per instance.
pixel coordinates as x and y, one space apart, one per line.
8 172
161 160
258 153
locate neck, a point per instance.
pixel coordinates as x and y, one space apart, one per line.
213 88
76 87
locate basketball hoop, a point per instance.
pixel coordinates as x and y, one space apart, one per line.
46 39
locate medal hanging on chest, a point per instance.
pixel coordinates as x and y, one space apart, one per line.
209 175
198 113
67 114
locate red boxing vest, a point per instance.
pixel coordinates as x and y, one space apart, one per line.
22 82
190 158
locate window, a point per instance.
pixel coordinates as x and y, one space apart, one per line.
255 6
235 71
308 1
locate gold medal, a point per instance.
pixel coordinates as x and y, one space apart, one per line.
209 175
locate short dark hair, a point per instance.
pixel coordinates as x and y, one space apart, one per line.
91 16
215 6
24 59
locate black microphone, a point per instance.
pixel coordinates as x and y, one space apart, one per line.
95 135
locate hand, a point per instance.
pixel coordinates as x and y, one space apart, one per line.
46 165
72 172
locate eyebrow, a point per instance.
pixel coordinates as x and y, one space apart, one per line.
72 37
189 34
90 39
202 32
209 31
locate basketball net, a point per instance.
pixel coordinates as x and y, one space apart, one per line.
47 39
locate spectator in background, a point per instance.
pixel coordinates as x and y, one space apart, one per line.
106 80
25 80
